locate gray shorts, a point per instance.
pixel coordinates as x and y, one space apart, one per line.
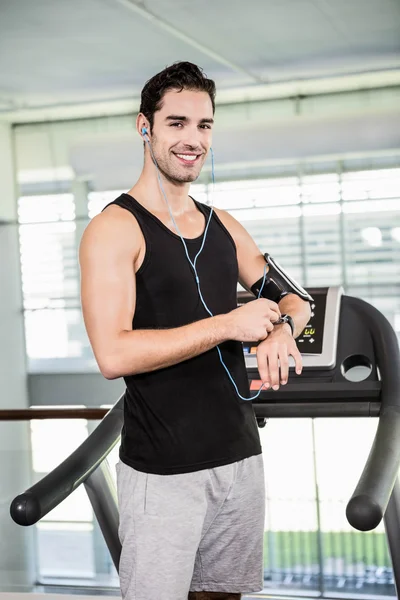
200 531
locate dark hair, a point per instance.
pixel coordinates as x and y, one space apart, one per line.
179 76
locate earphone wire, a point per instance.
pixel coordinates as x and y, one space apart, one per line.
193 263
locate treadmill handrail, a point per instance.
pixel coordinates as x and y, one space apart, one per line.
369 501
31 506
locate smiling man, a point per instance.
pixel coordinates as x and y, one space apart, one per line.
190 476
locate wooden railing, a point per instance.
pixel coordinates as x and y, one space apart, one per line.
28 414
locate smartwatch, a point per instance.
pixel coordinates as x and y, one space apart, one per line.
286 319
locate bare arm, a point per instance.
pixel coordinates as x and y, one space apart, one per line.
251 269
109 249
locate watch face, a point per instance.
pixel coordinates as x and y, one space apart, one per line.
287 319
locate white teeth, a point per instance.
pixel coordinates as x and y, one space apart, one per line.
187 157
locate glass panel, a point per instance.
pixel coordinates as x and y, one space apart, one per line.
382 183
58 335
291 517
256 193
48 263
323 250
266 214
282 241
62 435
66 547
98 200
372 255
17 544
46 208
305 548
65 551
320 188
353 561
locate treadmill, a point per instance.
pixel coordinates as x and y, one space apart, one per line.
344 334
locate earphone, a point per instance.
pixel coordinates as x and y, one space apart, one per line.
193 263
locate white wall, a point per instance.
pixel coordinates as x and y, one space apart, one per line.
16 550
108 152
8 206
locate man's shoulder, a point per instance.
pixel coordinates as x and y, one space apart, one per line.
116 215
113 225
231 224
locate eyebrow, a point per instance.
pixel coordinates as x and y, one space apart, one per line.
181 118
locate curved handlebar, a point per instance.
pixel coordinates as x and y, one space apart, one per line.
369 501
31 506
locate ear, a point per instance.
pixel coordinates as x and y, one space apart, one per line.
142 126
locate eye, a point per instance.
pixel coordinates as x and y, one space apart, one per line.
176 124
205 126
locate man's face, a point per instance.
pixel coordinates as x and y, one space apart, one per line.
181 136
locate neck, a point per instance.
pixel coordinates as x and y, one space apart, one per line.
147 190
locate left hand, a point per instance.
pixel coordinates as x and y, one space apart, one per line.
273 357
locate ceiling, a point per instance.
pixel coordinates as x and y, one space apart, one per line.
54 52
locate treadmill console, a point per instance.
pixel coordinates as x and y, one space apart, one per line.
310 340
318 340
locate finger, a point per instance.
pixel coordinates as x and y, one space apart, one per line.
269 305
284 364
298 359
262 364
274 316
263 336
273 306
269 326
273 366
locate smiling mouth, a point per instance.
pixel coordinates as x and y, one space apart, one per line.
188 159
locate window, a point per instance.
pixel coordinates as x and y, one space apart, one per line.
65 535
307 536
325 229
99 200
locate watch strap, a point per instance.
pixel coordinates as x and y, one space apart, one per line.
286 319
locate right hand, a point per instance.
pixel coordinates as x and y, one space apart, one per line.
253 321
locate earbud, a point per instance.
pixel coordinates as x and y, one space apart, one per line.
144 131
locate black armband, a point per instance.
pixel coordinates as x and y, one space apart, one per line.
277 284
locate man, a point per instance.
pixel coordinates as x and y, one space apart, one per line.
190 475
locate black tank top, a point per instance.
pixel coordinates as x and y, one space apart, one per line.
188 416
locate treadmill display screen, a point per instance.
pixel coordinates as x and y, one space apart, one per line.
310 340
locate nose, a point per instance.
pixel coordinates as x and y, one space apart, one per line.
193 139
